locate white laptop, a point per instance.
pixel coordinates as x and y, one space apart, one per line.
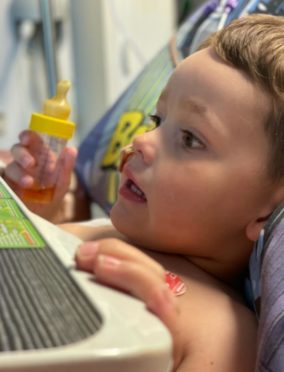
56 318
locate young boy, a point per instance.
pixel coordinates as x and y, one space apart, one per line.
196 191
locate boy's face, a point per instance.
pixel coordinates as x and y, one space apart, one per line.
195 183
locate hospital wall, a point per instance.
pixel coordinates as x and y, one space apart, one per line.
100 45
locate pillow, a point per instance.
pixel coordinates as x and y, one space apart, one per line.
99 154
267 284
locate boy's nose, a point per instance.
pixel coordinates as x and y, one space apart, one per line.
144 144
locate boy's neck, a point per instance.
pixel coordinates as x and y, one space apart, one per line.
227 267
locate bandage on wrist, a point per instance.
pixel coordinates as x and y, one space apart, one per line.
175 283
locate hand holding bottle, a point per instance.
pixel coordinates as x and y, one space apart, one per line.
19 173
51 133
41 169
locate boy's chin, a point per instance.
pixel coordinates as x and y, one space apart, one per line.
132 232
118 221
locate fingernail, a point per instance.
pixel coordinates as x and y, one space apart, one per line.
87 250
26 181
24 139
26 161
108 261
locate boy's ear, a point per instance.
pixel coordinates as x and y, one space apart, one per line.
254 227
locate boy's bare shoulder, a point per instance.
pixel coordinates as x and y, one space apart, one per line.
220 329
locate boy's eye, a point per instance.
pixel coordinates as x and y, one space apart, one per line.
190 141
156 120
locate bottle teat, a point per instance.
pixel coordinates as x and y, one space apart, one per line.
58 105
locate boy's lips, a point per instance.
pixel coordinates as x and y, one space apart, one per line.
130 189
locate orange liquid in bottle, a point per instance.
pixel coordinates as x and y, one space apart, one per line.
43 196
34 194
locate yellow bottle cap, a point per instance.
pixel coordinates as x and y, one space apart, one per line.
52 126
56 110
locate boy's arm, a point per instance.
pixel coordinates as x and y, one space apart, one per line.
221 337
211 330
88 232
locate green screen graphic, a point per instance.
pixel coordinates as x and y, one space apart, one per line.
9 209
3 192
16 231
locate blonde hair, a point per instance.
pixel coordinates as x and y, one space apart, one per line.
254 44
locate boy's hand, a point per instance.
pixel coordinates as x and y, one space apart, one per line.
19 172
122 266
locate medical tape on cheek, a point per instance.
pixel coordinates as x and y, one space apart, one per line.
175 283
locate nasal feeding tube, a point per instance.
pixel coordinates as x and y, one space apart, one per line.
52 130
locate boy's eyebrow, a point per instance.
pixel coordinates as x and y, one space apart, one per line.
194 106
188 104
198 108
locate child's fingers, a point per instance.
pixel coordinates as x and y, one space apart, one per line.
31 139
143 283
133 277
70 155
125 267
22 156
66 169
18 176
87 253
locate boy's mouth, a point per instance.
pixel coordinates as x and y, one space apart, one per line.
132 192
135 190
129 189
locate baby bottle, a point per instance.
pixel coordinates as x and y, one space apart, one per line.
51 133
